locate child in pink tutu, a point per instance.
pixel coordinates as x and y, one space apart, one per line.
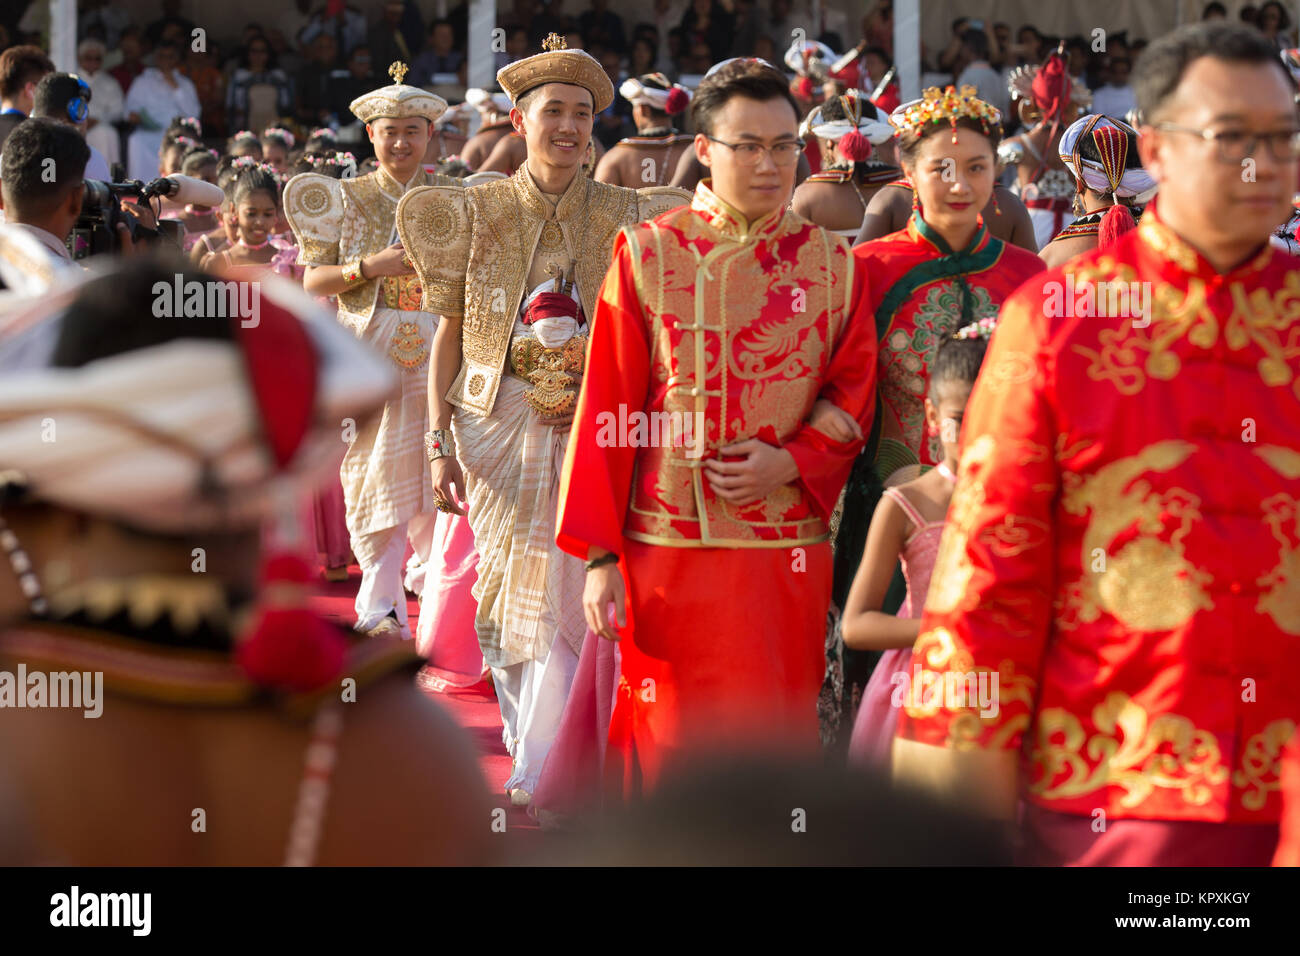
906 526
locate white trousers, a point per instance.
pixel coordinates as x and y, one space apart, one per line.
421 534
381 591
532 696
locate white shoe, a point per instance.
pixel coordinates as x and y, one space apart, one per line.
520 798
388 627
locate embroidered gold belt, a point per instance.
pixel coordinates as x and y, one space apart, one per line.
555 375
402 293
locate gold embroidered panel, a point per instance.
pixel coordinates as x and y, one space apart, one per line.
475 247
740 340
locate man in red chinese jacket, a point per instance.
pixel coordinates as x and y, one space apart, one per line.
693 483
1119 581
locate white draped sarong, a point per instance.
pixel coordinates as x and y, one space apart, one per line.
529 592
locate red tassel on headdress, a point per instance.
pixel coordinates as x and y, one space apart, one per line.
290 647
1117 221
677 101
854 147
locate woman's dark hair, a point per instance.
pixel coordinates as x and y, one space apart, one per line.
1161 65
254 179
909 141
748 78
1214 7
270 54
958 360
1283 21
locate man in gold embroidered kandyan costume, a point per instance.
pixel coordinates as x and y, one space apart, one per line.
514 267
1113 621
346 232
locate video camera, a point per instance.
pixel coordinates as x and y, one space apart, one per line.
95 232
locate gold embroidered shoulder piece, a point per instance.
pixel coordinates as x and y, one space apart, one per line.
313 204
490 233
656 200
433 224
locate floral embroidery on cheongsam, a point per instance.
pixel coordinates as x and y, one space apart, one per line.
908 354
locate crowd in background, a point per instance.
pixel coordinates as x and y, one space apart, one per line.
302 66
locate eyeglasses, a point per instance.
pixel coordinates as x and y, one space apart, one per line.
1236 145
749 154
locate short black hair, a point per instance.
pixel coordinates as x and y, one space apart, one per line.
977 42
20 65
1214 7
1161 65
54 92
43 160
749 78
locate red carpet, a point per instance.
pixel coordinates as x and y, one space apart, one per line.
474 708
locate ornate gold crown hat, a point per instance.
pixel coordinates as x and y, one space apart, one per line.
557 65
936 105
398 101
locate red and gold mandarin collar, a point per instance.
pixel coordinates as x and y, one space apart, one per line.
729 220
1160 239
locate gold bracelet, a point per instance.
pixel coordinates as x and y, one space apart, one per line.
439 444
352 273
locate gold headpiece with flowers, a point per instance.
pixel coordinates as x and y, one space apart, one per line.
557 65
951 104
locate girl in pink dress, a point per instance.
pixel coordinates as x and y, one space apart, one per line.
907 525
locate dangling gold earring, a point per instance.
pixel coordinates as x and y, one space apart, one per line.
997 210
916 200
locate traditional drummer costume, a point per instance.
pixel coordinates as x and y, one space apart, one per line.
650 157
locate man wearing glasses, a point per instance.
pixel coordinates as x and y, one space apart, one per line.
695 486
1121 547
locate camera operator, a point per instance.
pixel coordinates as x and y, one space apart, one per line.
65 98
42 186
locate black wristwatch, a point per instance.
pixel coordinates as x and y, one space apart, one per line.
604 559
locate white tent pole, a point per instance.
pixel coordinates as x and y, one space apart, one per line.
907 48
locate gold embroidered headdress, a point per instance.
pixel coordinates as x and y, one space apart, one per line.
936 106
398 101
557 65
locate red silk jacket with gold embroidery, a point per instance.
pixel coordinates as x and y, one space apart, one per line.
1122 550
720 331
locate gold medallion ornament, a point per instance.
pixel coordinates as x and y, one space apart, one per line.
408 348
552 239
